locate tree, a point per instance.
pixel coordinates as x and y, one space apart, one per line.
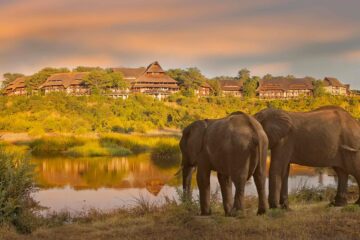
244 74
40 77
9 77
215 84
250 86
319 90
85 69
99 81
190 79
268 76
118 81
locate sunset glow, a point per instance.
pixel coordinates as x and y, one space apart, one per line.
303 38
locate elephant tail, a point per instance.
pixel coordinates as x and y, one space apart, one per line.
260 147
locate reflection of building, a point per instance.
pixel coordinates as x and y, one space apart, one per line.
335 87
154 186
122 172
281 87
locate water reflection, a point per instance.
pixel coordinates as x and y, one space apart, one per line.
94 173
76 184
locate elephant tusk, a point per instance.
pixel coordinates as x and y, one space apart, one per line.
350 148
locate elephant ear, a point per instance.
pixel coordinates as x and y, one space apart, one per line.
276 123
191 143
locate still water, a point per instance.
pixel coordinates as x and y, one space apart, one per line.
77 184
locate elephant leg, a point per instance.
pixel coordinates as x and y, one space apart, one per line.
284 196
260 180
239 200
340 198
357 177
226 192
203 181
280 160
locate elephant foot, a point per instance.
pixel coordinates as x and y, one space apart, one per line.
339 202
206 213
236 212
285 206
261 211
273 206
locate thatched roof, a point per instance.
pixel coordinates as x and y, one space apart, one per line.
231 85
65 79
334 82
17 83
284 84
205 85
154 76
130 73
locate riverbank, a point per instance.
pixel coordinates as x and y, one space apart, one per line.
95 145
305 221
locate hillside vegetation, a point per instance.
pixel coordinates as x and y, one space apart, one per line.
58 113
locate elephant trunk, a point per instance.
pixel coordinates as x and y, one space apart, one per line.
187 172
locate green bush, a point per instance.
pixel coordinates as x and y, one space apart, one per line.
53 145
166 153
16 185
58 113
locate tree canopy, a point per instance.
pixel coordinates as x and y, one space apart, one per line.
9 77
101 80
40 77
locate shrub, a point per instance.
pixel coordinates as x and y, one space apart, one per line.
53 145
166 153
16 185
90 149
313 194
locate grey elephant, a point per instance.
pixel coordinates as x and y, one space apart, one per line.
236 148
326 137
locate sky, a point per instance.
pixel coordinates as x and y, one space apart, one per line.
303 38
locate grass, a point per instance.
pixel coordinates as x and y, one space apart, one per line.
94 149
308 219
172 221
108 144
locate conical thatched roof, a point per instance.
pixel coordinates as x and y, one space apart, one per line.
154 76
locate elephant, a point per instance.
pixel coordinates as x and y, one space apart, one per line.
236 148
326 137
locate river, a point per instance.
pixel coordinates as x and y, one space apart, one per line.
80 184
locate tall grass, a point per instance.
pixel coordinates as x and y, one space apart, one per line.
16 185
166 153
110 144
94 149
54 145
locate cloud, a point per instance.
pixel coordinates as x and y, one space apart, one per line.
272 68
290 36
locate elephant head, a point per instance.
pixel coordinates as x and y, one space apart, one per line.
191 145
276 123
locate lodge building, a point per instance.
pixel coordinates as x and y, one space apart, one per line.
232 87
335 87
204 90
16 87
72 83
284 88
155 82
